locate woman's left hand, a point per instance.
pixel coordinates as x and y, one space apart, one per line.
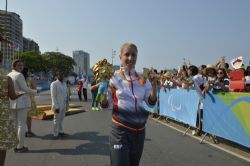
153 78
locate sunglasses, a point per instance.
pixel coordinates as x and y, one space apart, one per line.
220 73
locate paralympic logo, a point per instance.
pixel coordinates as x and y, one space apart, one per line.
174 107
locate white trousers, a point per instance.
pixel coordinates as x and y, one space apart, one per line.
58 120
21 125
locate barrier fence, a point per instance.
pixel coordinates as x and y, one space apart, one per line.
226 115
180 105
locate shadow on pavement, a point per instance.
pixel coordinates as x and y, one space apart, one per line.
90 136
148 139
97 145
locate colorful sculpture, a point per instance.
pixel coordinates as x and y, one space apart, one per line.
103 72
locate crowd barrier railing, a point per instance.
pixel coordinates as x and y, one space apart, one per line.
226 115
180 105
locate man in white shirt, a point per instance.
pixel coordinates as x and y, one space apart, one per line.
59 97
21 104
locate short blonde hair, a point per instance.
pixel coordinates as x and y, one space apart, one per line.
128 44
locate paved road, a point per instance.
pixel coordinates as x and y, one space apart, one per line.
88 144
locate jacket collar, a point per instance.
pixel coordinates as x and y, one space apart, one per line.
126 71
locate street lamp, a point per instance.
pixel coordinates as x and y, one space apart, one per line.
6 6
5 34
113 55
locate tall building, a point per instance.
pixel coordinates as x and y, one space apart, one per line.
82 66
30 45
11 27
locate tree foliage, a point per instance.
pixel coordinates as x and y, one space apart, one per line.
33 61
47 62
58 61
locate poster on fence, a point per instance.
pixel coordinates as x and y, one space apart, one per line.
180 105
227 115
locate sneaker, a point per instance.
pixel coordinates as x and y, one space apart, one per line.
62 134
55 136
29 134
93 108
97 109
196 132
21 150
193 132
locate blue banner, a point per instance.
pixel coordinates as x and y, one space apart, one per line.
228 116
180 105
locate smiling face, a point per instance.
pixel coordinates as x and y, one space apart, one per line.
128 55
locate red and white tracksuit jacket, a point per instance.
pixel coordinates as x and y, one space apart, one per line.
128 97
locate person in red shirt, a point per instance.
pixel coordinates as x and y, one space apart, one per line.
79 89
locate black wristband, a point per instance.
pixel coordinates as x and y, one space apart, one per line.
152 102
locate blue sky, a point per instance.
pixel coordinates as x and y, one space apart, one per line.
165 31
